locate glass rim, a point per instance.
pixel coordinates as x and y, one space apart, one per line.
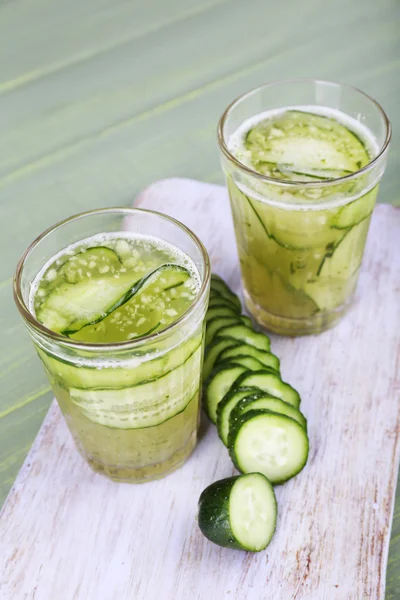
295 183
64 340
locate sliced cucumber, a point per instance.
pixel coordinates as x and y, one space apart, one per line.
70 307
212 352
220 301
98 260
356 211
266 358
219 383
217 323
306 143
220 311
268 443
270 383
144 405
264 401
227 405
239 512
251 363
219 287
70 374
347 257
246 334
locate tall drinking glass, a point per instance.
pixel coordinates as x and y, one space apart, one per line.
132 407
301 236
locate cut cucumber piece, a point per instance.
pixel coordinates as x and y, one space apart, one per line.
251 363
239 512
139 371
266 358
219 287
270 383
356 211
263 401
99 260
268 443
347 257
247 335
277 296
144 405
304 142
217 323
221 301
228 403
70 307
220 311
213 350
219 383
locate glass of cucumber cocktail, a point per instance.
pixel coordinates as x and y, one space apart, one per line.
303 160
115 302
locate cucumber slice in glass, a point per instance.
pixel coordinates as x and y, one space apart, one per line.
70 307
144 405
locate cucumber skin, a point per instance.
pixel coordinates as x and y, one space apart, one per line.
240 421
213 516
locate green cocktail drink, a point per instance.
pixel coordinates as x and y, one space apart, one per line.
117 320
303 180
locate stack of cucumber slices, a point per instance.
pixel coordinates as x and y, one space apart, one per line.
258 419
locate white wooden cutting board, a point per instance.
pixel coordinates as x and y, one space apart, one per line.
69 534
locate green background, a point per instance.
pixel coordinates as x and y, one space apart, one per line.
98 98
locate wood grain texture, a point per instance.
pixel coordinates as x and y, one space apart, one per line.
66 532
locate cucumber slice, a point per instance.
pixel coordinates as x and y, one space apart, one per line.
213 350
356 211
347 256
219 383
70 375
219 287
251 363
266 358
144 405
246 334
220 311
268 443
70 307
99 260
304 142
217 323
270 383
271 292
228 403
239 512
264 401
221 301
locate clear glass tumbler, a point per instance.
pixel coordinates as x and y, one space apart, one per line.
301 243
127 376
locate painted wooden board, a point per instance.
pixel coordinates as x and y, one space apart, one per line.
66 532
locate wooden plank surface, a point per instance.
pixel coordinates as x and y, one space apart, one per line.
99 98
66 532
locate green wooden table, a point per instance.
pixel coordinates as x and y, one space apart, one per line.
100 98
